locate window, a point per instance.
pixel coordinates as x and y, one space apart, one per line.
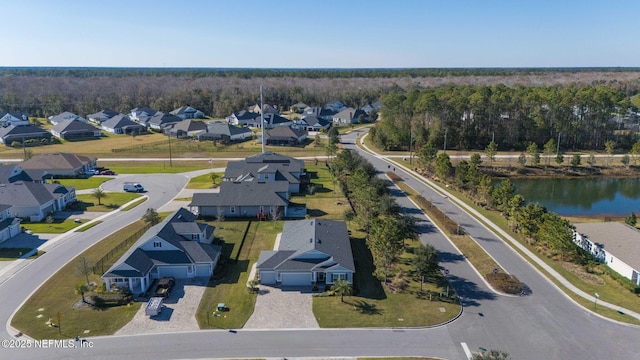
157 244
195 236
232 209
336 277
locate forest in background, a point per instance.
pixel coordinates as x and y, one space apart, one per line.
582 108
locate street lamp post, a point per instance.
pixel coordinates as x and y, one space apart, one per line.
446 272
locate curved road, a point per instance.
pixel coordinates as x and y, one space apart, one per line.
542 325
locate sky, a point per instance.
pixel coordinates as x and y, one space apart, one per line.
320 34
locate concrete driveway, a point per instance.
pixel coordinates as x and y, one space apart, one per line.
282 308
178 312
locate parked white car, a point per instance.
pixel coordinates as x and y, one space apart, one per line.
132 187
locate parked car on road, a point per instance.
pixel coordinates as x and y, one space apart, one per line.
107 172
132 187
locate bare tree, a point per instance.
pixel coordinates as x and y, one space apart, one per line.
84 268
275 213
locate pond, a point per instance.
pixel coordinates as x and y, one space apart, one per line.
583 196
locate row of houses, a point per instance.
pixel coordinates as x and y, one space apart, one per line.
310 252
26 195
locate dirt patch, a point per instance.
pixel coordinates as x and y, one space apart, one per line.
581 273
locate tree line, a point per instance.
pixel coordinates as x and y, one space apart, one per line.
44 92
377 213
577 117
541 228
247 73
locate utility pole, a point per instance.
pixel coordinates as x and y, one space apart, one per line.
170 158
445 140
411 146
264 141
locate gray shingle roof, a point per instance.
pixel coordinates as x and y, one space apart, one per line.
189 251
244 193
119 121
13 173
72 125
22 193
618 239
65 116
57 161
302 236
161 119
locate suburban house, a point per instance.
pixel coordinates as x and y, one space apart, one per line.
298 107
34 201
13 118
73 129
349 116
179 247
243 118
267 167
121 124
186 129
57 119
309 252
60 164
285 136
102 116
268 109
274 120
142 114
187 112
313 123
259 186
321 113
9 225
612 243
244 199
374 106
161 120
336 106
13 173
220 131
21 133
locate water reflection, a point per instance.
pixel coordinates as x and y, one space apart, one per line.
583 197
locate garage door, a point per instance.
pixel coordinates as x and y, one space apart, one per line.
296 279
178 272
203 270
267 277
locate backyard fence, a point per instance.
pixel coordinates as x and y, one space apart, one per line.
110 258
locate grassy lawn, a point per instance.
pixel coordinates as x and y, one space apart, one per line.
232 288
327 201
58 226
156 167
58 296
83 184
113 200
8 254
374 306
205 181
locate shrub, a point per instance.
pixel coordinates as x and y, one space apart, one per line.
505 283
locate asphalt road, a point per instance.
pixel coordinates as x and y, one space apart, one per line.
542 325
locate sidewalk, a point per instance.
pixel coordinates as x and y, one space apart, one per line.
514 243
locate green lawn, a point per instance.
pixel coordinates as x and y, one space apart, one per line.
8 254
82 184
58 296
375 306
205 181
57 226
232 288
156 167
112 201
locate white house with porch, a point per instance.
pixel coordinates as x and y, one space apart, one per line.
178 247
